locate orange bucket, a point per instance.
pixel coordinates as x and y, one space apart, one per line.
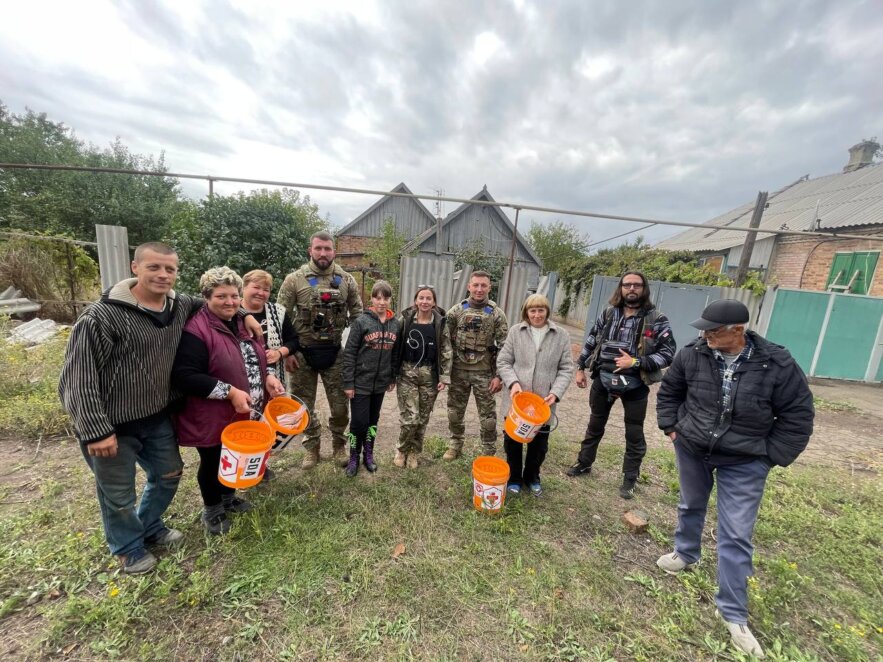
279 407
244 451
489 478
529 412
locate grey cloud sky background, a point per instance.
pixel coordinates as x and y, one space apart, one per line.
676 110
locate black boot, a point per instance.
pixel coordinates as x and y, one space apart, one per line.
352 467
370 465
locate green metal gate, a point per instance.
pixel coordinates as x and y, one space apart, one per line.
829 334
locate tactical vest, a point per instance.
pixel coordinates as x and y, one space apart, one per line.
646 345
323 315
472 332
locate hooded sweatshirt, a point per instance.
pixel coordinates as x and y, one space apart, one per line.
119 360
369 354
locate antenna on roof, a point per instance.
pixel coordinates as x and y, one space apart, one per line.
439 204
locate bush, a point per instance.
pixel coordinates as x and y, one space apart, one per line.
56 273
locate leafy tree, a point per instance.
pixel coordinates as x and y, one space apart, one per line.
72 203
654 263
477 255
385 253
557 244
263 229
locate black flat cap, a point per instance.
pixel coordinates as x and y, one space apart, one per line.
721 312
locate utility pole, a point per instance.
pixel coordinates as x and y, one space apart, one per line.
748 246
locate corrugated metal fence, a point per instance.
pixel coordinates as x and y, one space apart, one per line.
830 335
427 269
114 262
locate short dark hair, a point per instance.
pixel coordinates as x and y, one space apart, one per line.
616 299
156 247
481 274
322 235
381 288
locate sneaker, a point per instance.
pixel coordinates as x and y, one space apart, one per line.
138 562
400 460
269 474
234 504
627 489
311 458
451 454
743 638
536 489
412 461
579 469
167 538
216 525
514 489
673 564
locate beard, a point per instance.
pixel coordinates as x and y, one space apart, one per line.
633 300
322 262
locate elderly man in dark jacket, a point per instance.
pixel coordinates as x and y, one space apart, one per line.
735 405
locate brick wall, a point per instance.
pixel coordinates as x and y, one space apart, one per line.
805 263
351 250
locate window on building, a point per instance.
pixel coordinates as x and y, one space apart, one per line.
852 272
716 262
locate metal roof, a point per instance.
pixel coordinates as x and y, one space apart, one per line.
849 199
483 195
400 188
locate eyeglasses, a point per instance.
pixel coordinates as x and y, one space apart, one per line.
425 287
632 286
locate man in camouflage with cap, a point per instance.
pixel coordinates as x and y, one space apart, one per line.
321 299
475 329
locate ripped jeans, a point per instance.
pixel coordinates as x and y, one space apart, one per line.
151 443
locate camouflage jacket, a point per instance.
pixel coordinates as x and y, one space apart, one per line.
475 335
321 303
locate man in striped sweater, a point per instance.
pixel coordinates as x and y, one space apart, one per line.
115 386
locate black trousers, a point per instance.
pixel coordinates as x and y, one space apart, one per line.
210 487
364 414
634 404
529 472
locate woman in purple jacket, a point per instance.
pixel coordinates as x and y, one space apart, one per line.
223 373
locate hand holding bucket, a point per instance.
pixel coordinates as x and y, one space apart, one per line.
287 416
529 413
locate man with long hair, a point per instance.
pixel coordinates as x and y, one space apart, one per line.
625 351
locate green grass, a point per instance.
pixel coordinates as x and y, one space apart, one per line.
833 405
310 573
29 401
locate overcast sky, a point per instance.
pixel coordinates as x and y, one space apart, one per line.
670 110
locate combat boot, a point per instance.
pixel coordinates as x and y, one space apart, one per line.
451 454
370 465
352 465
412 460
400 459
311 458
340 456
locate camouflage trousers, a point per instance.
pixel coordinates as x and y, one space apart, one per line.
477 381
303 383
416 393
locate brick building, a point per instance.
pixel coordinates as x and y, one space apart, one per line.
849 202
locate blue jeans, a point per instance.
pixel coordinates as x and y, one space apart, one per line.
739 491
150 442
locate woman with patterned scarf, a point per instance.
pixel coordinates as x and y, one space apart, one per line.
280 338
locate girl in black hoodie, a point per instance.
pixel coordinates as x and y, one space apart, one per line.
367 369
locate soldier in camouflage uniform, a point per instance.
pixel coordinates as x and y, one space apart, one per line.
423 367
475 329
321 299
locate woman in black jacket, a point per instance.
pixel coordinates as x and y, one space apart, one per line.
367 370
